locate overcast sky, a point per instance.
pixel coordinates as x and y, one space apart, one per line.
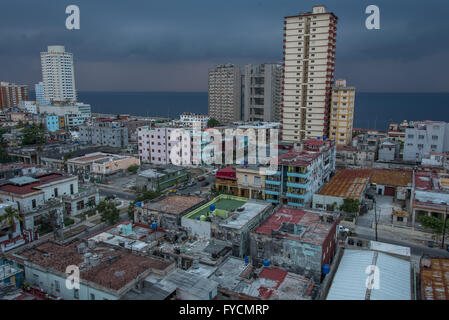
168 45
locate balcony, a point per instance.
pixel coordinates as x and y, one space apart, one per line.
298 185
298 175
273 182
298 196
275 193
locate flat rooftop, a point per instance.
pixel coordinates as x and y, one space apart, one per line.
297 224
223 204
435 280
250 210
114 268
91 157
26 186
348 184
174 204
398 178
271 283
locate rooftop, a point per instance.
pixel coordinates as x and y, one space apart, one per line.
431 190
174 204
435 279
297 224
234 276
223 205
91 157
113 269
349 282
348 184
26 186
398 178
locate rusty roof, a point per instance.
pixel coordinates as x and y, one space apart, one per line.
348 184
435 280
398 178
174 204
115 269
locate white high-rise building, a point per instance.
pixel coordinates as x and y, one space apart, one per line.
225 93
309 56
262 92
342 113
58 75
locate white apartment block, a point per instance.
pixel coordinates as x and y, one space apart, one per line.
58 75
342 113
225 93
190 119
425 137
309 57
262 93
29 106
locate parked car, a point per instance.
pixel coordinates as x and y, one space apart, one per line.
342 229
201 178
205 184
214 172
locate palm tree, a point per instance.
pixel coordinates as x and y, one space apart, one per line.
9 219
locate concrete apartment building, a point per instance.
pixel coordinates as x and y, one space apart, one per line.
58 75
309 59
189 119
296 240
74 114
112 134
424 137
262 92
301 173
342 113
40 94
225 93
12 94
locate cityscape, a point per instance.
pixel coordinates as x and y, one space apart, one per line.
273 194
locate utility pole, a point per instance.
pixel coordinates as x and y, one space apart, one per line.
444 229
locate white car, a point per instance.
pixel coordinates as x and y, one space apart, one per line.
214 172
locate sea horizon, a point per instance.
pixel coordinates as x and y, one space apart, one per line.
373 110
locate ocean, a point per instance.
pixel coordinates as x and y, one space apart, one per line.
372 110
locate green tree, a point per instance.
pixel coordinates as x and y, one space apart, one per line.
133 168
212 123
350 205
9 219
131 211
33 134
109 213
435 224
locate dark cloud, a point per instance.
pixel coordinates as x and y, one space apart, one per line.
168 45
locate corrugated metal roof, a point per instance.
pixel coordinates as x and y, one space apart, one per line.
394 279
350 279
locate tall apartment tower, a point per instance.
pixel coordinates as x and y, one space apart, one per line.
225 93
12 94
342 113
58 75
309 56
40 95
262 95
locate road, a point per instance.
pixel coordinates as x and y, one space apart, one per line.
120 194
416 249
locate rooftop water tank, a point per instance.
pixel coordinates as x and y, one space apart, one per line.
203 217
246 259
212 207
154 225
266 263
326 269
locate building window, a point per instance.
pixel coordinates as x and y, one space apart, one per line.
33 203
76 293
71 189
56 192
92 296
